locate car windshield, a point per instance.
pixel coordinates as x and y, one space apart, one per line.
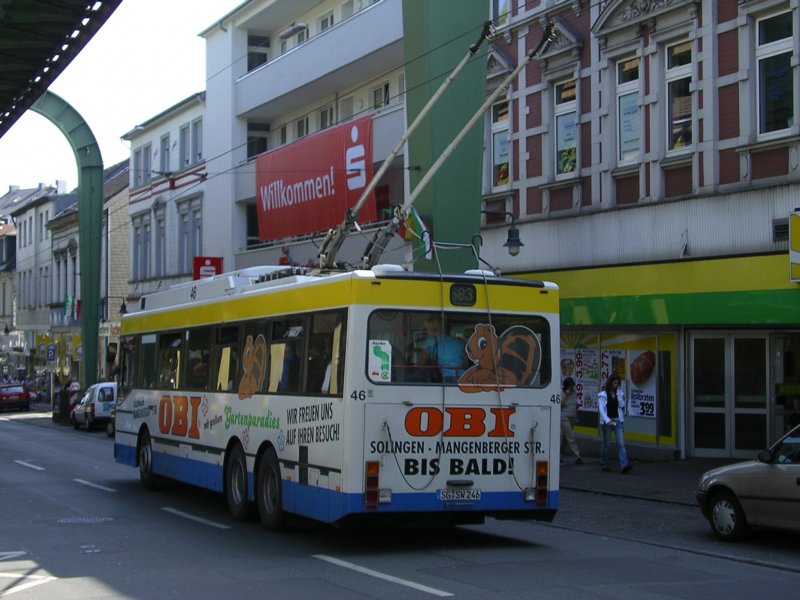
12 389
788 449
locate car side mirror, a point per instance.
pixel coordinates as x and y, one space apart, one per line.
765 456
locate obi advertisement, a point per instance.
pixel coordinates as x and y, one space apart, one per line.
308 185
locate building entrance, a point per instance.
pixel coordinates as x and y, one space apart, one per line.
728 392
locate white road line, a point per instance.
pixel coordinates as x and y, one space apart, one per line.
29 465
94 485
193 518
379 575
34 580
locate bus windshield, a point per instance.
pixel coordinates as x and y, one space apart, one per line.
423 347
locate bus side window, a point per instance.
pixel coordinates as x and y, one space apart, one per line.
225 368
169 361
198 353
285 368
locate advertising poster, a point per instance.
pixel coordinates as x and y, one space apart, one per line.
642 386
612 361
587 380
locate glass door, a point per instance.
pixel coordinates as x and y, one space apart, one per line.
728 394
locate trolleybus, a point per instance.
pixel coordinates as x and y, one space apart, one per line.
375 393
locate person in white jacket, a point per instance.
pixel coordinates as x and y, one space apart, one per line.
612 408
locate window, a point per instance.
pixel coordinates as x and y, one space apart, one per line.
301 127
679 96
198 358
257 139
628 111
500 144
147 168
225 368
164 151
566 140
347 9
380 95
189 234
184 149
775 78
161 242
326 21
257 51
141 247
416 347
346 108
326 117
137 167
169 361
501 10
197 140
302 36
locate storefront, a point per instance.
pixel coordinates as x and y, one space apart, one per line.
709 350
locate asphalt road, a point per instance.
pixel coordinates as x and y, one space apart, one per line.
75 524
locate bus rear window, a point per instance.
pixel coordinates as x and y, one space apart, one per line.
468 350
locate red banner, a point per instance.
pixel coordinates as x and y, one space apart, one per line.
307 186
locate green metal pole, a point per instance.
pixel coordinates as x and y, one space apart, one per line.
90 214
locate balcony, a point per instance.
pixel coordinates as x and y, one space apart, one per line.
340 58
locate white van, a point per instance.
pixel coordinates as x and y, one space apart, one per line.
96 406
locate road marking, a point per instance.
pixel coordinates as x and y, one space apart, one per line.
94 485
34 580
29 465
379 575
179 513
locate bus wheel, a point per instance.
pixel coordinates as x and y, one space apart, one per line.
236 484
268 491
146 476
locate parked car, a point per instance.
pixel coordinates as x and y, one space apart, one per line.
761 492
13 395
95 406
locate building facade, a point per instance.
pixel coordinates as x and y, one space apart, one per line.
648 157
167 197
653 169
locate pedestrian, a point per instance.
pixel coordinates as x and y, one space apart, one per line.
611 406
569 413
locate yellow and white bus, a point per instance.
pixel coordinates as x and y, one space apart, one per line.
377 393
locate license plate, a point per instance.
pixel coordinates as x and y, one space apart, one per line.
450 495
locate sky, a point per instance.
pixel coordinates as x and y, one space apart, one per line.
147 57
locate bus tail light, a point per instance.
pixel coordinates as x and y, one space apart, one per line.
371 472
542 467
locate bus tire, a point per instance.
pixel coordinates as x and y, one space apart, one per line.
239 505
269 497
145 455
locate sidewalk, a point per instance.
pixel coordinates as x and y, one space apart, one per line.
665 481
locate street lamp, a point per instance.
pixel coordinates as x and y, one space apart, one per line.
513 243
123 308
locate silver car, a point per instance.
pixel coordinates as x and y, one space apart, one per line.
762 492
